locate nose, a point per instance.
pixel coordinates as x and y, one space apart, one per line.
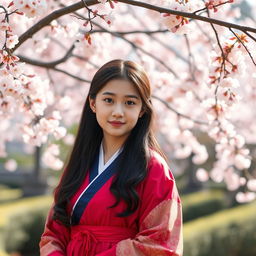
118 110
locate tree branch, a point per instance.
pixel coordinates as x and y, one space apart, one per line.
191 59
48 64
49 18
134 45
71 75
51 65
204 33
149 54
148 32
214 6
252 37
74 55
178 113
154 38
72 8
223 64
188 15
237 37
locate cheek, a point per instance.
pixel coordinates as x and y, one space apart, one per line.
135 116
100 116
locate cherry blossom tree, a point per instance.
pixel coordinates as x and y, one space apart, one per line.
200 55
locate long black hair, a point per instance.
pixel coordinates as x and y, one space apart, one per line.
134 157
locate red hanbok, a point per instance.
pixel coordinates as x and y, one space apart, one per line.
155 228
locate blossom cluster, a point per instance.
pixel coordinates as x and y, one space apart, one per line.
178 23
200 84
111 2
31 8
50 157
214 4
10 39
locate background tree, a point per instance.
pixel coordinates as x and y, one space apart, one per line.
200 56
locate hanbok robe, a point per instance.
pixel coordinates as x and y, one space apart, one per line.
155 228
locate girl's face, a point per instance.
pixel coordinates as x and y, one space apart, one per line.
118 106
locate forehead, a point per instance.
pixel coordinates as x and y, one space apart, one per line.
120 87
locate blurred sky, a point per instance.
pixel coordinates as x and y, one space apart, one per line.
251 2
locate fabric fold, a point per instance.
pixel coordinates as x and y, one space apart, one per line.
84 239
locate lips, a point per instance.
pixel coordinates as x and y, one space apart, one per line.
116 123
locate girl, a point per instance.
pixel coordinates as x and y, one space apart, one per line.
116 195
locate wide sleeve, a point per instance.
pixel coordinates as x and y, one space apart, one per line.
160 217
55 238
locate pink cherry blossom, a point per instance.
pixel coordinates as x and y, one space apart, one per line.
215 110
202 175
200 157
186 123
179 24
242 162
213 4
14 89
232 179
12 40
182 152
238 141
246 197
242 181
50 157
17 69
229 82
69 139
251 184
31 8
217 174
102 1
4 25
64 103
59 132
229 97
6 58
11 165
110 19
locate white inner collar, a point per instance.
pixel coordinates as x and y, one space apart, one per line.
102 166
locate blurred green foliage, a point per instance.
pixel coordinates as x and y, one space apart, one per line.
24 161
230 232
23 233
9 194
22 223
202 203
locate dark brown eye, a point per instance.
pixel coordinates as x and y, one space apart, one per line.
108 100
130 102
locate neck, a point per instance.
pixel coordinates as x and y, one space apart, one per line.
110 146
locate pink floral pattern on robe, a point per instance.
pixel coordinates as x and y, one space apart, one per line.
160 235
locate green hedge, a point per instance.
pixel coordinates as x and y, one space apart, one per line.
202 203
231 232
22 223
2 253
9 194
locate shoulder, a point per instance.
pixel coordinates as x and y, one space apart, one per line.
158 168
159 183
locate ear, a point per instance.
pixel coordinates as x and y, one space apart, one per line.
92 104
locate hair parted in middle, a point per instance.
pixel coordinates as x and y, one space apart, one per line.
136 149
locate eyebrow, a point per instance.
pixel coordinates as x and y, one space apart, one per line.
126 96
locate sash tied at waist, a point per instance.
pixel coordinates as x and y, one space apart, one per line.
84 238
